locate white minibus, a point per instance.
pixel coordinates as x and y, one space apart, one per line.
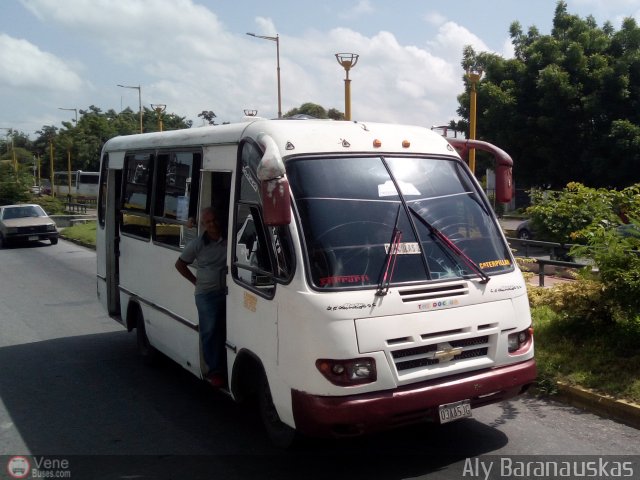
369 284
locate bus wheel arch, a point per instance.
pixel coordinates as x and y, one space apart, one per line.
245 376
249 381
135 319
280 434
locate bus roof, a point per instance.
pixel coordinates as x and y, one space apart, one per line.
295 137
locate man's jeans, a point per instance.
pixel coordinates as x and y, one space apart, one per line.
211 313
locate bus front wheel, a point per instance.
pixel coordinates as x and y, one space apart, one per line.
279 433
147 352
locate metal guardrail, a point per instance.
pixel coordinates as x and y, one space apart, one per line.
558 252
76 207
556 263
555 250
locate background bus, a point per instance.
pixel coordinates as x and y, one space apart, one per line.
84 185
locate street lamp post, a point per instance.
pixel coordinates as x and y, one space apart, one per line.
139 88
277 40
474 74
69 152
71 110
51 171
348 61
159 108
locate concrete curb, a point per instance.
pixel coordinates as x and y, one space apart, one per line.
77 242
586 399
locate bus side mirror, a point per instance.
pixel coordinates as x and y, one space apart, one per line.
276 202
504 183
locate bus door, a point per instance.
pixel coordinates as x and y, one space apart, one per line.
261 259
215 191
108 235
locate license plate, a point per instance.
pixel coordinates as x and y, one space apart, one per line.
33 238
453 411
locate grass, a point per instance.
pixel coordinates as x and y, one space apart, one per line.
603 356
83 233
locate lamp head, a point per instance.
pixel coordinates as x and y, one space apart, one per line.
347 60
474 73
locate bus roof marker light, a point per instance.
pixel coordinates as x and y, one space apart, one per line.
377 143
406 143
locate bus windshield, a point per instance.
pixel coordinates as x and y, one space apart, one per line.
369 220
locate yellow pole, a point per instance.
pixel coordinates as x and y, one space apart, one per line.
474 77
347 97
159 108
53 186
472 128
348 61
15 160
69 171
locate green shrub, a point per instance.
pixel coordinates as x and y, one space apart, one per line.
617 256
562 216
51 205
580 299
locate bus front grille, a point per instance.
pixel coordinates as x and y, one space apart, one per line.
453 351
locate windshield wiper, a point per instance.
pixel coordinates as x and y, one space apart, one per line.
390 261
452 247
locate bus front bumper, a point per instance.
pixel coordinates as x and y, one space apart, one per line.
364 413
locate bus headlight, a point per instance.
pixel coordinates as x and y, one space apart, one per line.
344 373
519 340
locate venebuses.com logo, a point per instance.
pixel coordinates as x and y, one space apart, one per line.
19 466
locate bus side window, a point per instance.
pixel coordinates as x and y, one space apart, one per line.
136 195
253 262
175 197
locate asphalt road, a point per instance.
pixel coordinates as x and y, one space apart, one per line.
71 387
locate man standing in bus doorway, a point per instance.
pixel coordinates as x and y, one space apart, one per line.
208 253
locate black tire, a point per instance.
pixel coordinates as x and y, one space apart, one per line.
54 240
2 242
147 352
280 434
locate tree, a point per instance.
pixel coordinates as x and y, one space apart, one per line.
14 186
85 139
316 111
567 107
209 116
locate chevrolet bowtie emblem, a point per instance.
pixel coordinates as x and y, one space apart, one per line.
446 352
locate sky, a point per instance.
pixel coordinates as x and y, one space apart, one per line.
194 55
